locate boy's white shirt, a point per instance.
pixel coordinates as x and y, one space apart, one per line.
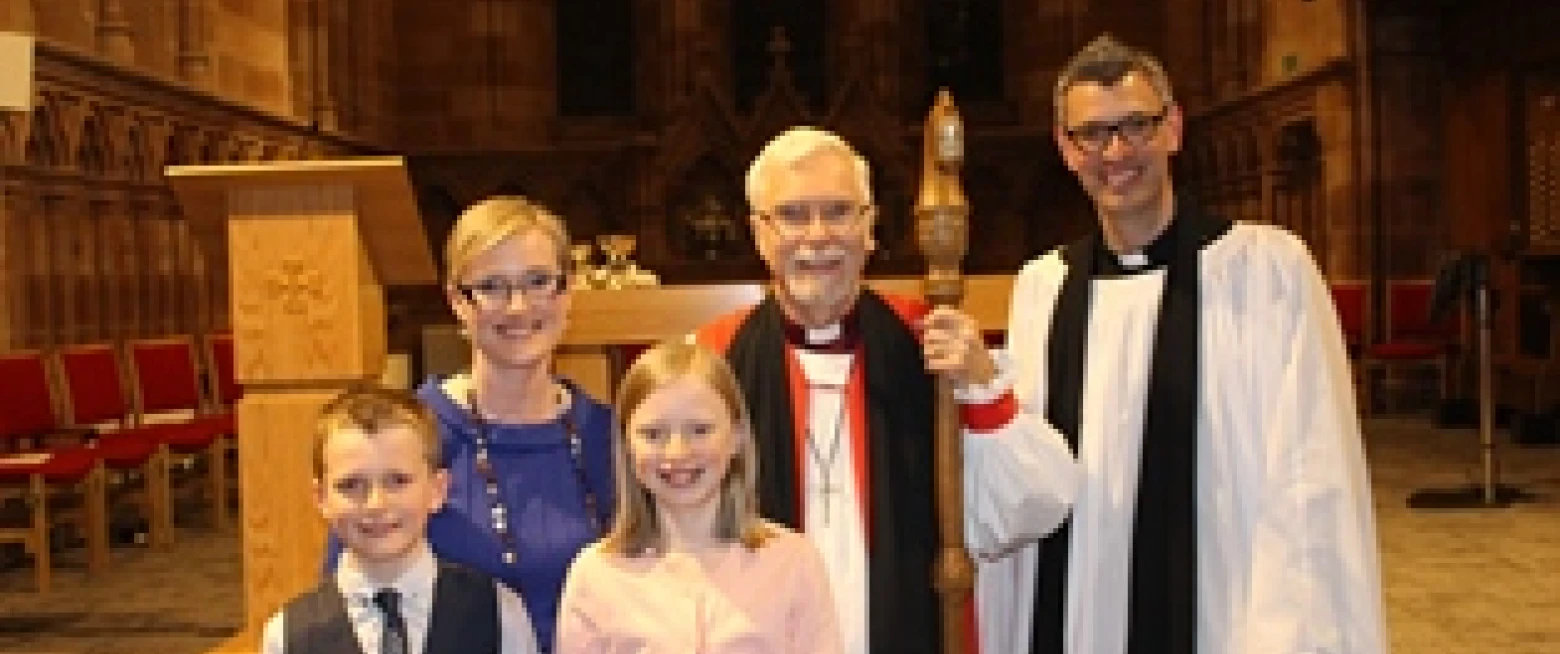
416 588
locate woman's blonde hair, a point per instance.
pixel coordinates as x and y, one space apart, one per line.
635 530
487 223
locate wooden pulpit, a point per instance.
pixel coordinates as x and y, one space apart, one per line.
311 247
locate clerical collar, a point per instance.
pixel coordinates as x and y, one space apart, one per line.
1156 255
841 336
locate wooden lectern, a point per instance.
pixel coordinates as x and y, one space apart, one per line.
311 246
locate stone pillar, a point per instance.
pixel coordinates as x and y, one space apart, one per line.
194 57
114 33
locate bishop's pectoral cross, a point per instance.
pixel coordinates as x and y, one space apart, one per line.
824 460
828 489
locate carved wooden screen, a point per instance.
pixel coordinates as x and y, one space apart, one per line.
1543 163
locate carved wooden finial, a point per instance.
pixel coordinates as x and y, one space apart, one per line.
942 211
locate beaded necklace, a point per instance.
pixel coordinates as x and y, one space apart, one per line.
500 512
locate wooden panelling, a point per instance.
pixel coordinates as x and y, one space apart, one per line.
94 248
1541 108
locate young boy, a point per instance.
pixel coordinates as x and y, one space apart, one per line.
377 479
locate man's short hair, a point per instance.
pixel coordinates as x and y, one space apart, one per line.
1106 61
372 410
794 146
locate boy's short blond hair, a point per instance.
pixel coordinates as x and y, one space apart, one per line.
372 410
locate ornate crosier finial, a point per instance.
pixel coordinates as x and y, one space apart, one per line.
942 211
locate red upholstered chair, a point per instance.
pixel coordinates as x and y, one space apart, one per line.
96 399
1352 299
39 472
166 383
1411 338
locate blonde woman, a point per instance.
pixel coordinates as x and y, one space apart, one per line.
528 454
689 566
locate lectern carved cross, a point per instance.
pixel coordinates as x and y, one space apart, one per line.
296 284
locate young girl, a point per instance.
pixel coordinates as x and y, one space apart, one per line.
689 566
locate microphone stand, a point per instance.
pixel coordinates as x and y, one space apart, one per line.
1488 492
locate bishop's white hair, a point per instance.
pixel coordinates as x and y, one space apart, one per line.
796 145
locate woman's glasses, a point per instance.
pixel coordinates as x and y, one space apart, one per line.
493 293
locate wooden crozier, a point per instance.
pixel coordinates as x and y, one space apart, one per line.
942 229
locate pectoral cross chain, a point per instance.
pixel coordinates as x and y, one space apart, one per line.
827 487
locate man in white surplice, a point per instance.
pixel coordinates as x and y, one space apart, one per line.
840 393
1197 369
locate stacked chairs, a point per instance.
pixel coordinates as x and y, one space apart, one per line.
97 401
81 419
43 470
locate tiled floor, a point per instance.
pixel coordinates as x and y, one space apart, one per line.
1457 582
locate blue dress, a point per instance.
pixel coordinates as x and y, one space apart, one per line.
540 490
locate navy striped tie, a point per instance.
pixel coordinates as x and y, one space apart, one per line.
394 640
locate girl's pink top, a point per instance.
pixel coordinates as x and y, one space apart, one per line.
773 600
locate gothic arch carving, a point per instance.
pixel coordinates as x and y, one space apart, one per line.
158 144
94 156
70 116
183 147
208 147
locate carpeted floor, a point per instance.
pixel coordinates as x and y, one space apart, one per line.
1457 582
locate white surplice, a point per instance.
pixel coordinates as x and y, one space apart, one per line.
1016 487
833 519
1287 553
